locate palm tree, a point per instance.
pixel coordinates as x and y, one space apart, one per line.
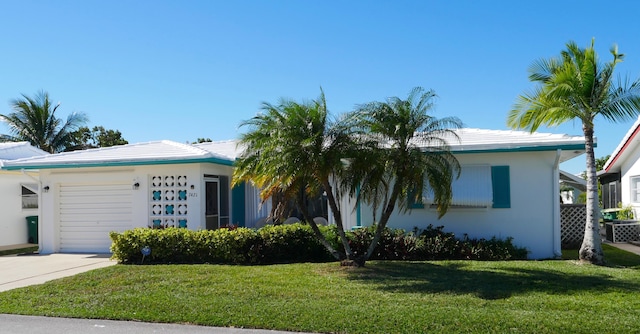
577 86
294 150
409 155
34 120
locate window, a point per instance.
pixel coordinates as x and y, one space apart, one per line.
479 186
29 196
635 188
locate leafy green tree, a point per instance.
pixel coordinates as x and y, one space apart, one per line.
202 140
577 86
294 151
409 155
34 120
85 138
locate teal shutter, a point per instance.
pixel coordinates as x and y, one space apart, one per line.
500 183
238 204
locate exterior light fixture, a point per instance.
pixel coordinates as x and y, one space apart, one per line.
136 185
46 189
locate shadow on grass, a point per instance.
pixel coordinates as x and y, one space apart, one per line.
488 282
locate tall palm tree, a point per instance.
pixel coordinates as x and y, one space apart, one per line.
577 86
34 120
409 154
294 149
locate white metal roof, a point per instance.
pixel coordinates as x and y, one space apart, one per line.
17 150
225 152
155 152
226 148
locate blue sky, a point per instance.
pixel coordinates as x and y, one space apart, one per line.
180 70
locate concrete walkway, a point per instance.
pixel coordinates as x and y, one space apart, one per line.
625 246
23 270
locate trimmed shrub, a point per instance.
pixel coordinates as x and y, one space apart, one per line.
435 244
291 243
394 244
271 244
297 243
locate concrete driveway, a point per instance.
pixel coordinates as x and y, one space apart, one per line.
22 270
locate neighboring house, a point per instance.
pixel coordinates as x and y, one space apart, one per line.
509 187
620 176
18 193
571 186
86 194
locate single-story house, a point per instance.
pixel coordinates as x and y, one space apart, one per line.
18 194
620 176
509 186
86 194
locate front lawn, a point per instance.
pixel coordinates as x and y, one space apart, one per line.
385 297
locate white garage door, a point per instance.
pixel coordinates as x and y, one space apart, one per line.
88 212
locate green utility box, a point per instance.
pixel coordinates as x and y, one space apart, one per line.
610 214
32 229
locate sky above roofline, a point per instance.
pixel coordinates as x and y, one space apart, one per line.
182 70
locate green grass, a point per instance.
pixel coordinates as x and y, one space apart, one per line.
19 250
555 296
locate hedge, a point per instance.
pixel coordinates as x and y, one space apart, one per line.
297 243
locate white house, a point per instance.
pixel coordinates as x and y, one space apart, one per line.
86 194
509 187
620 177
18 194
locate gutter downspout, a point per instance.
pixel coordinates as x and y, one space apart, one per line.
557 251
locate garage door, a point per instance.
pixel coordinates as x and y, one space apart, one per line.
88 212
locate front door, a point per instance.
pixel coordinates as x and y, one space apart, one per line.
212 198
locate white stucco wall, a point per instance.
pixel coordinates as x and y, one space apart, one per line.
49 224
529 221
13 225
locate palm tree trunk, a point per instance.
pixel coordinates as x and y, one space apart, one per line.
305 213
384 219
591 249
337 215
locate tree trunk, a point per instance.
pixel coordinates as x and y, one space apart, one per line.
337 215
591 249
305 213
384 218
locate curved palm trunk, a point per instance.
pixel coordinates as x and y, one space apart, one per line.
337 215
591 249
384 219
303 208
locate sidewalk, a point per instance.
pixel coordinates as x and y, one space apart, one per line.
624 246
20 324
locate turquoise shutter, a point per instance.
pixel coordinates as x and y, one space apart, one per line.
238 204
500 183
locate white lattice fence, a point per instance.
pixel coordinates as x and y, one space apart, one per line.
623 231
572 220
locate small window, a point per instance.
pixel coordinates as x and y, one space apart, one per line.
479 186
472 189
29 196
635 189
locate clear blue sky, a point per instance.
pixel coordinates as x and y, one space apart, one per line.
180 70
